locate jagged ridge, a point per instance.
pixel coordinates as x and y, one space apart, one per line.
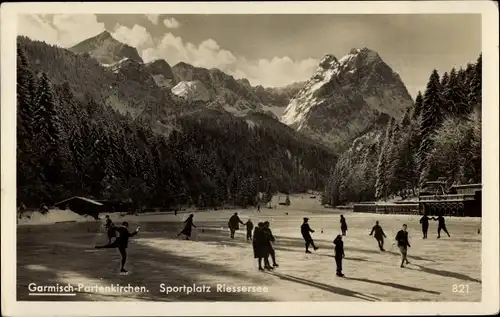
347 96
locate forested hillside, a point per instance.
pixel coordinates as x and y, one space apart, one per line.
71 141
439 137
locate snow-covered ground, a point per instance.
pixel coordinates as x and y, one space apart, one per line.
62 253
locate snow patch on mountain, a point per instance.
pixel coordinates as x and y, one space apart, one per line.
115 67
191 90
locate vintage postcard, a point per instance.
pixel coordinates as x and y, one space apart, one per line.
250 158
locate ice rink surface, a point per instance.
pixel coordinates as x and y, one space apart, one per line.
446 269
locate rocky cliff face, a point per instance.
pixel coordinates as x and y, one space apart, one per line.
162 73
106 49
347 97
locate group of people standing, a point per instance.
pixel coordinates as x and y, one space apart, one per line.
262 246
261 237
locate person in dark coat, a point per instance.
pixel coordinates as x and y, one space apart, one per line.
121 242
441 225
188 228
249 225
306 231
403 244
234 223
258 207
343 225
269 240
425 225
110 229
259 250
379 235
339 254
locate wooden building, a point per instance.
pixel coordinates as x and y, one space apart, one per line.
460 201
82 206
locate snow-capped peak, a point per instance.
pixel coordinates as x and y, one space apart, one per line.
329 61
358 82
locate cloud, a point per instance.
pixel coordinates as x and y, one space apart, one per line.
62 29
274 72
154 18
171 23
137 36
68 30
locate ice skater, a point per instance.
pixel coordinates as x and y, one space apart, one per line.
110 228
339 254
188 227
425 225
343 225
258 207
306 231
379 235
121 242
441 225
403 244
249 225
259 247
234 224
269 240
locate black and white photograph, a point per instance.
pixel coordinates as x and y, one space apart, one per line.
218 155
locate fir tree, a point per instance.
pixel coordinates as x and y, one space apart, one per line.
449 96
392 159
432 117
46 123
446 78
28 169
406 121
475 89
45 117
25 92
381 181
460 99
418 105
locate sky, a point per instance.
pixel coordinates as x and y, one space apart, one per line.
277 50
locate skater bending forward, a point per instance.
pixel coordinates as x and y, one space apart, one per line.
121 242
379 235
188 227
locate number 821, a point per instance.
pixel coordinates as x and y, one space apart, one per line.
460 288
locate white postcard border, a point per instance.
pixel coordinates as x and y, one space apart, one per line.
490 141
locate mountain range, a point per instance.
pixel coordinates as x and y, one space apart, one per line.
348 97
95 120
344 98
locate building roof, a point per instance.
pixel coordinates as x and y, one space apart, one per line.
87 200
479 185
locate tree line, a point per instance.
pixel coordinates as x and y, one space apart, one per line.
439 137
69 143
